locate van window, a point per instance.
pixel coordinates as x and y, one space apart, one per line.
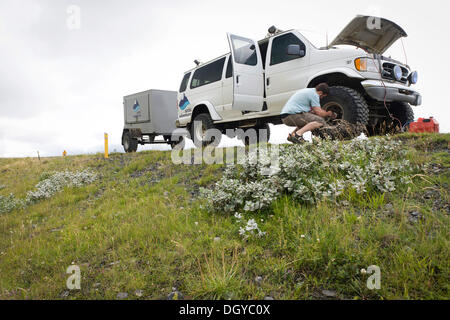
184 82
244 51
229 72
279 48
208 74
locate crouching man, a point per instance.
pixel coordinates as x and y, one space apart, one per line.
303 111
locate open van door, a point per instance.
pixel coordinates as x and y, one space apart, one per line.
248 81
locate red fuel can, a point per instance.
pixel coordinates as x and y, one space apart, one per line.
424 125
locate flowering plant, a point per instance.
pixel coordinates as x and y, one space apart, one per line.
321 171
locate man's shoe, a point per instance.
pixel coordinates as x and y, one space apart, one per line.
290 138
298 139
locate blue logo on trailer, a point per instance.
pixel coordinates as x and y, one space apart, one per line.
184 103
136 106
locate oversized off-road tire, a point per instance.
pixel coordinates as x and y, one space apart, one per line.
352 114
202 134
129 143
402 115
402 112
348 104
262 136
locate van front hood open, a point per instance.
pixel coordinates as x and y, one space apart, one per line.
375 35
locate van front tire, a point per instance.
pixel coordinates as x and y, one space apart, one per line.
202 131
348 104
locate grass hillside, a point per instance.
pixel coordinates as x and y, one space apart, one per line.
138 226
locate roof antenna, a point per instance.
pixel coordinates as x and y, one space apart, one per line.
196 62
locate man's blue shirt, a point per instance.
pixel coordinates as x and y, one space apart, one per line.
302 101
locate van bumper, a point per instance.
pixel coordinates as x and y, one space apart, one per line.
391 92
182 122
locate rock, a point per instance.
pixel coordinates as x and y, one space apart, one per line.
122 295
268 298
258 280
139 293
329 293
414 216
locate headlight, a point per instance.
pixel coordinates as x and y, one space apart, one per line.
366 64
397 73
413 77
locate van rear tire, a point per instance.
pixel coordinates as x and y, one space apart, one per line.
261 137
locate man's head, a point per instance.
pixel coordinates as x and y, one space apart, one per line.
322 90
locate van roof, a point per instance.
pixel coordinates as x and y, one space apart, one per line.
204 63
227 54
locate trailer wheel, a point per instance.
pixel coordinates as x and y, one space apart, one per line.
129 143
181 143
201 131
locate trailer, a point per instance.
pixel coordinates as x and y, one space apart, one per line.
150 114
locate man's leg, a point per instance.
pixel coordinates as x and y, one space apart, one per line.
295 130
309 127
289 121
310 122
303 122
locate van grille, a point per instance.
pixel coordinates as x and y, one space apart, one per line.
388 74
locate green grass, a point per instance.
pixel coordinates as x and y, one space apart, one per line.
140 226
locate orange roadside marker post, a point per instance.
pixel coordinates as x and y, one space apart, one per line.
106 146
64 153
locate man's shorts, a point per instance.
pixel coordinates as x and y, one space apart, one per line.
300 120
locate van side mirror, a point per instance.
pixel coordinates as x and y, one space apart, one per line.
294 50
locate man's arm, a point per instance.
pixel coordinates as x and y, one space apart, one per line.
322 113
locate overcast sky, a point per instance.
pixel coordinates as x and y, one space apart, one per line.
61 86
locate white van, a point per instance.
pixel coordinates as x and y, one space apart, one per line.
248 87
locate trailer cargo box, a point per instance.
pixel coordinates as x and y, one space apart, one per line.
149 114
